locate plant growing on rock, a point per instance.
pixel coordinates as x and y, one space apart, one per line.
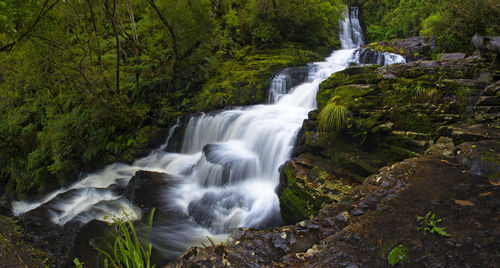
428 224
397 255
333 116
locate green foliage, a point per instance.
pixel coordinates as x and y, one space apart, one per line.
428 224
77 263
127 250
453 23
333 116
417 90
397 255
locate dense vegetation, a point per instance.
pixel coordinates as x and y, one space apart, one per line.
82 83
452 22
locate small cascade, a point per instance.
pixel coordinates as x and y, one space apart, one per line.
370 56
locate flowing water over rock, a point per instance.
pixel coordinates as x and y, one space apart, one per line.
351 34
226 173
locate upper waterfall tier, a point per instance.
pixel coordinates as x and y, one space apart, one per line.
351 34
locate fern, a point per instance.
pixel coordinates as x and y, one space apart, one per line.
428 224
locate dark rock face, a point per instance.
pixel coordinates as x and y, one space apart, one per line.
145 188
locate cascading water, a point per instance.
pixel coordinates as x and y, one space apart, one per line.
351 34
226 173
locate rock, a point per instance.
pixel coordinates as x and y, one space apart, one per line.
16 250
488 101
487 43
156 137
475 132
317 140
386 127
481 157
453 56
493 89
443 147
95 233
412 48
342 217
357 212
146 188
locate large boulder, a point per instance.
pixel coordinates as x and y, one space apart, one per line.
145 188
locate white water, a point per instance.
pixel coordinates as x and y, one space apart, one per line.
351 34
226 173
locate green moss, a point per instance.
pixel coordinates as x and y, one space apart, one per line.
382 47
293 208
412 121
352 75
244 80
300 200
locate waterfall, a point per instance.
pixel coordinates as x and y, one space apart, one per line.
351 34
226 173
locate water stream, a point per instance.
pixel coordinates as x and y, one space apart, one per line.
226 174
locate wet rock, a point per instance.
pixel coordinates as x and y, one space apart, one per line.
220 155
475 132
205 209
156 137
453 56
443 147
146 187
481 157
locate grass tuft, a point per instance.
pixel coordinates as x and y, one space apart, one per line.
333 116
127 250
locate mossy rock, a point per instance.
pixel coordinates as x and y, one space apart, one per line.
244 80
412 121
300 199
